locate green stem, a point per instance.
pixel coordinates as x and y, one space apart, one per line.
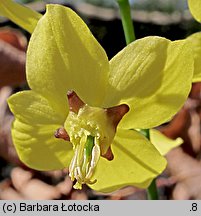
127 23
152 192
129 33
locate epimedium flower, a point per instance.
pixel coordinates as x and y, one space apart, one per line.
19 14
81 107
162 143
195 6
195 42
195 39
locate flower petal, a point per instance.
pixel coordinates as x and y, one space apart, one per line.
38 148
63 55
195 7
19 14
33 109
136 162
153 76
33 132
195 42
162 143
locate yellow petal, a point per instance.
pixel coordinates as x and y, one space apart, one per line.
38 148
63 55
136 162
162 143
153 76
33 132
195 8
19 14
31 108
195 42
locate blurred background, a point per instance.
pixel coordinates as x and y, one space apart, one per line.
162 5
167 18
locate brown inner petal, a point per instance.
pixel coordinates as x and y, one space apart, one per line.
75 103
61 133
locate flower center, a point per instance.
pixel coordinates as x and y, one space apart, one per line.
91 131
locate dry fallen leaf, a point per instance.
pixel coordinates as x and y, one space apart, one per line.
13 37
12 51
186 171
184 165
7 150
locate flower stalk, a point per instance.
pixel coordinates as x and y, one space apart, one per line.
127 23
129 33
152 192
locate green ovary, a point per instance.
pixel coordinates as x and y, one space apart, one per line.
91 134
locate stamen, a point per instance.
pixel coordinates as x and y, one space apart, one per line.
95 156
79 173
80 152
87 154
78 186
72 165
90 172
91 131
94 160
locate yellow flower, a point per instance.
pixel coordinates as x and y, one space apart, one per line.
151 76
162 143
195 42
195 8
19 14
